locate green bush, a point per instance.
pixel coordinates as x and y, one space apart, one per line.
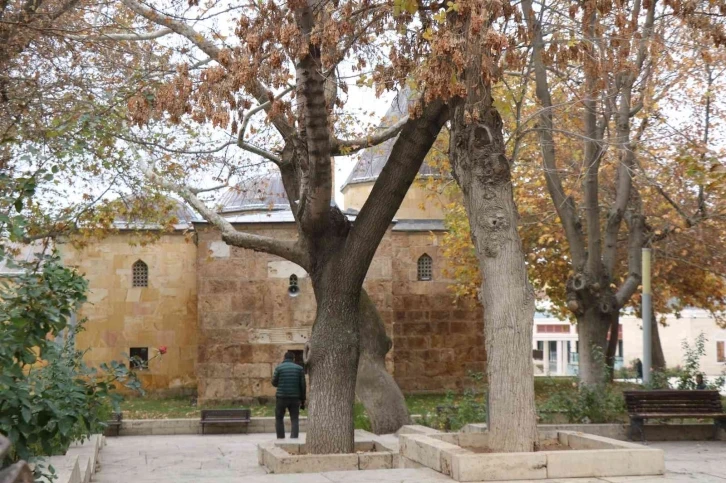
587 403
456 412
687 373
50 398
598 403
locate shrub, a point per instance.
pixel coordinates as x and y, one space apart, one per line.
598 403
588 403
687 373
50 398
456 412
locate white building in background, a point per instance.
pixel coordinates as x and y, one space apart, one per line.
556 345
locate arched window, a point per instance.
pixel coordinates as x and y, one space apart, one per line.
425 268
140 274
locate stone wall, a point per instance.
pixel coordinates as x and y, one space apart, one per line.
418 203
121 316
247 320
437 340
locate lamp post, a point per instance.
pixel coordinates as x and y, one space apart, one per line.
647 312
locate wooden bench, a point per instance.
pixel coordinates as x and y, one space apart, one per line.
113 425
226 416
671 404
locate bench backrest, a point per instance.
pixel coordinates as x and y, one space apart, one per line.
211 414
116 417
673 402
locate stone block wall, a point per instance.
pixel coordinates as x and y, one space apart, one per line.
121 316
437 340
247 320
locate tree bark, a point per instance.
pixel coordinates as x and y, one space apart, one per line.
483 173
592 331
375 387
332 358
612 347
658 362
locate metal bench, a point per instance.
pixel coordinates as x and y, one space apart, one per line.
671 404
226 416
113 425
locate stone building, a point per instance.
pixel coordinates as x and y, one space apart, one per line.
226 315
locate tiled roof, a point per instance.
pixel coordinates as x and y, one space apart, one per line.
264 192
178 210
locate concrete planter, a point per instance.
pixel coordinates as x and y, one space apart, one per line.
290 457
586 456
79 463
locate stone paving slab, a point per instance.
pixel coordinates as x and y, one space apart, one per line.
233 458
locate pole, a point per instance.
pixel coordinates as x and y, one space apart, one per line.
647 313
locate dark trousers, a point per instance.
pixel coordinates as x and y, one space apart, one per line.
293 406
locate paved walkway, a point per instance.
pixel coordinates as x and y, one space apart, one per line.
233 458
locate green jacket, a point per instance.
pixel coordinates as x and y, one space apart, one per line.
289 379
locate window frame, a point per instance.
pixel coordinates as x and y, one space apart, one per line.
421 269
137 278
722 343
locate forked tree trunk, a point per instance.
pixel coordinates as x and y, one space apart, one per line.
483 172
332 358
375 387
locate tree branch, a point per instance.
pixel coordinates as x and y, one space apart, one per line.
636 237
289 250
409 151
255 87
565 205
120 37
625 145
314 127
344 147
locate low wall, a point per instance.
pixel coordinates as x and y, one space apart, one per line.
142 427
653 432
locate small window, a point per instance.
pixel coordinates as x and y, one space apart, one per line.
140 274
139 357
720 351
425 268
293 289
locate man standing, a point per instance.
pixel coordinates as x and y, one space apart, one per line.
289 379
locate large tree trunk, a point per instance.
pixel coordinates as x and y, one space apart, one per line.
483 172
658 362
332 358
592 331
375 387
612 347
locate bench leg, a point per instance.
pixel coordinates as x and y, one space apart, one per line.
637 424
718 425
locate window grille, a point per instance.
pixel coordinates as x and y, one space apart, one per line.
140 274
425 268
